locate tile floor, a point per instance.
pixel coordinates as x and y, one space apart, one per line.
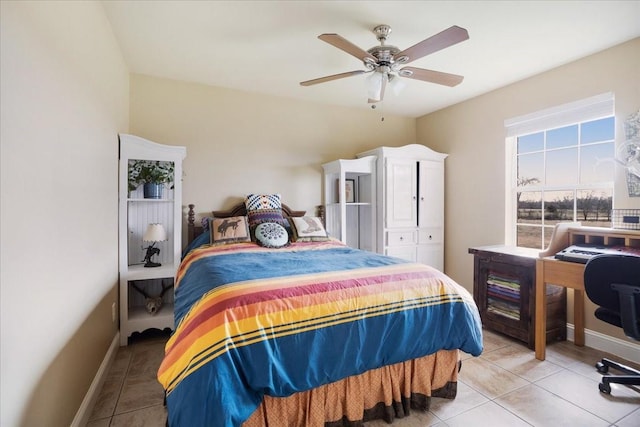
505 386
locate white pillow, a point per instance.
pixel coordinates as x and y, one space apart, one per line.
271 235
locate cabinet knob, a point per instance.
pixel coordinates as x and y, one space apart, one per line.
430 237
422 199
414 197
401 238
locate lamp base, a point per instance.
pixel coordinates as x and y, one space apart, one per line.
151 251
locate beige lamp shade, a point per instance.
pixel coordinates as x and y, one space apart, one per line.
155 233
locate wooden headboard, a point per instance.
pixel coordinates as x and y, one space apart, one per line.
194 230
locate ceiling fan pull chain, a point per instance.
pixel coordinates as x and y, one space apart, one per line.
374 106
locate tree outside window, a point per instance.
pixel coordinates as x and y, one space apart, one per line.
564 174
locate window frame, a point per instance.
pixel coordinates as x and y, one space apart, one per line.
586 110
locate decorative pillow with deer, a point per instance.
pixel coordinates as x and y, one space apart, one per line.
229 230
308 229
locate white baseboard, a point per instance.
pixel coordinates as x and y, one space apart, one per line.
609 344
84 412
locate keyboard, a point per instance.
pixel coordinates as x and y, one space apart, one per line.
583 253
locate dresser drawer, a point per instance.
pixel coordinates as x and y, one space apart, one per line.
405 252
430 235
396 238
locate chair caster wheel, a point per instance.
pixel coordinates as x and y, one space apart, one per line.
604 388
602 368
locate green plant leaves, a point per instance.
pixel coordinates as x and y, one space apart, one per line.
149 171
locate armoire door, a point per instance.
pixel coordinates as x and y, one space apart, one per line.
401 193
430 193
431 213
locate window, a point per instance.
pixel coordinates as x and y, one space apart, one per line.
562 170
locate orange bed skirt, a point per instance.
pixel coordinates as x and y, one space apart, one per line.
384 393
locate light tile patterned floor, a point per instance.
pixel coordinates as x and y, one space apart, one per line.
505 386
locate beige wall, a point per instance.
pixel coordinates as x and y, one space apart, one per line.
239 143
65 94
64 98
473 134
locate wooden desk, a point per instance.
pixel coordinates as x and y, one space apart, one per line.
571 275
562 273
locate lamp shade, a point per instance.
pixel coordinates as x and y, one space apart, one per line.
155 233
374 85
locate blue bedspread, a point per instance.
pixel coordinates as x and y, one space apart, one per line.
253 321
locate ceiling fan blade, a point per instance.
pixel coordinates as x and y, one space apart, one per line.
443 39
345 45
332 77
431 76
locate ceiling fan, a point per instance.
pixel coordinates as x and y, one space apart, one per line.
384 61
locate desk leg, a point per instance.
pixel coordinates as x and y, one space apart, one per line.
541 312
578 317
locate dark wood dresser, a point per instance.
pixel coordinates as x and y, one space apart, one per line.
504 282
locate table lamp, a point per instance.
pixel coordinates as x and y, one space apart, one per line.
154 233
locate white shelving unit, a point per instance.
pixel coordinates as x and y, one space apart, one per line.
351 216
135 213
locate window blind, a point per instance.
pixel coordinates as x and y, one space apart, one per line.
579 111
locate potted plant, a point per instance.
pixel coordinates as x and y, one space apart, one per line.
153 174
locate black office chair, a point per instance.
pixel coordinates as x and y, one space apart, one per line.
613 283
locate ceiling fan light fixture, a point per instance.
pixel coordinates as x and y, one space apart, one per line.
373 83
397 85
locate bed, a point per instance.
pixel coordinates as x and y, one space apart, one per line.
310 334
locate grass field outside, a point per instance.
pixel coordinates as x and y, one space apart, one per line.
530 231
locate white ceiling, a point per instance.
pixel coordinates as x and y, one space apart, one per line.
271 46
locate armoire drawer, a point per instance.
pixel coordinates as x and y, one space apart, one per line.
430 235
395 238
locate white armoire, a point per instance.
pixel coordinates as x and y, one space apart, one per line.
410 208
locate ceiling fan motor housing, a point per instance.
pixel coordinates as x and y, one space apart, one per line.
384 54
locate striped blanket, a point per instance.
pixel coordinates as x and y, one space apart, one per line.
253 321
